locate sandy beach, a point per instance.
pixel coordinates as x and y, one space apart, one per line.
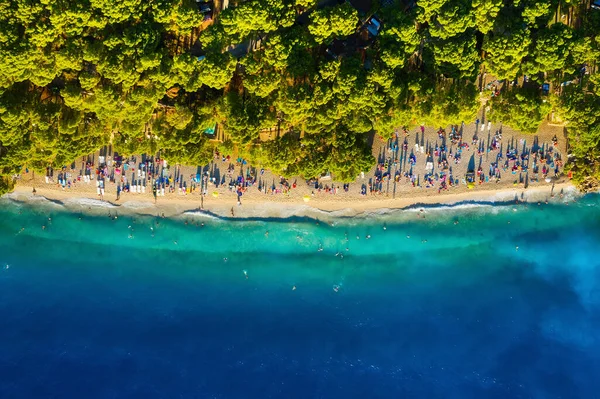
273 208
304 199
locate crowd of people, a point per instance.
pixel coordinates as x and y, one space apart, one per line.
416 159
436 163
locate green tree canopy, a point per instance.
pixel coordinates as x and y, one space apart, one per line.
332 22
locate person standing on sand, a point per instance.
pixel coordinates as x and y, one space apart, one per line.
239 196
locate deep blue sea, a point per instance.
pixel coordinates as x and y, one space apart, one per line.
467 302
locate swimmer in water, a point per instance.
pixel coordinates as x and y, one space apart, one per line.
267 234
245 274
336 287
294 288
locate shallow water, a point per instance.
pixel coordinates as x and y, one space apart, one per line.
443 306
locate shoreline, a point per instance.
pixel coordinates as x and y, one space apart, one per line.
270 208
268 195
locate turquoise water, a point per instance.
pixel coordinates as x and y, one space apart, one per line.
443 306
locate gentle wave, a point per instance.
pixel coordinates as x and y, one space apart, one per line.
203 214
90 202
20 199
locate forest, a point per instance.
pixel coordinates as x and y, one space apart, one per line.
324 76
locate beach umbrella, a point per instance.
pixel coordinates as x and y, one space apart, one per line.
215 194
306 198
